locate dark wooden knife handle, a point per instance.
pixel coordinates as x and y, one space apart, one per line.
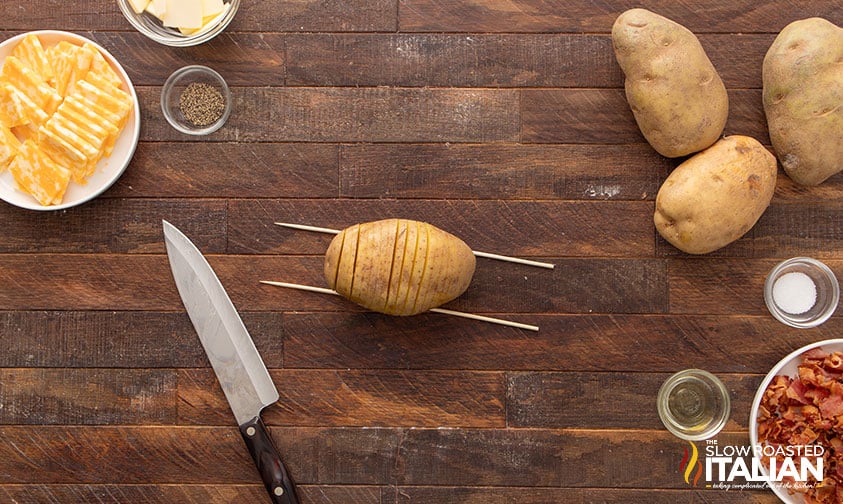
274 474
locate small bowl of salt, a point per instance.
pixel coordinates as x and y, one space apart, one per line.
801 292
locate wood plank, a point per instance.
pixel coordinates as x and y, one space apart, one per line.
502 171
357 398
451 60
603 116
742 16
99 339
230 170
121 339
384 456
624 400
317 16
301 15
85 396
593 343
533 495
113 225
520 228
184 494
481 60
725 286
109 282
544 458
243 59
787 229
599 286
380 114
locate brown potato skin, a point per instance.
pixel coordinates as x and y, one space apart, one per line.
675 93
716 196
803 99
398 266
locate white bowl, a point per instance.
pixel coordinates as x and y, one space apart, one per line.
109 169
787 367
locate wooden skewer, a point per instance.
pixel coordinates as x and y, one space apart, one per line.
487 255
442 311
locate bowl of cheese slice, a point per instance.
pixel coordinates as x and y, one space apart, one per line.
179 23
69 120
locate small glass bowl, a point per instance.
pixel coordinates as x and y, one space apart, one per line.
177 83
151 26
827 292
693 404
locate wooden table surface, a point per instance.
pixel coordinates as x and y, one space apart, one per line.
502 121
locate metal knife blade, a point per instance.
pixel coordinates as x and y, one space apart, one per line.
232 353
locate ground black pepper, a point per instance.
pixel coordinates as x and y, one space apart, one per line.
201 104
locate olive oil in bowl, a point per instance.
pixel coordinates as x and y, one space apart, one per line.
693 404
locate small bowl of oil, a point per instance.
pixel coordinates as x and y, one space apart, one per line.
694 404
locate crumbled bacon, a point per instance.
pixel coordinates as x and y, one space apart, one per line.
809 410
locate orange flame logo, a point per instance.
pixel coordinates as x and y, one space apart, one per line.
689 463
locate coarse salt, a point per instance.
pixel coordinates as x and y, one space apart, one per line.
795 293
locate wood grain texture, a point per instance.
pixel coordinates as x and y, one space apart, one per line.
481 60
384 456
634 343
230 170
501 121
554 400
120 339
358 398
355 115
502 171
520 228
557 16
83 396
532 495
185 494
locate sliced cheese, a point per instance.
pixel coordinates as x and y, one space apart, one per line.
9 147
37 175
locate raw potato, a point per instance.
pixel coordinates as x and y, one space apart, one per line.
676 95
803 99
397 266
715 197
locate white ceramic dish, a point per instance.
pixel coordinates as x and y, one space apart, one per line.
108 169
788 367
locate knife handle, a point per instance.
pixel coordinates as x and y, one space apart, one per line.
274 474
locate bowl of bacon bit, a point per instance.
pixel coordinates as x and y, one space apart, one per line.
796 425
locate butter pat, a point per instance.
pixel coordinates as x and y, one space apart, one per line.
211 8
185 14
139 5
157 8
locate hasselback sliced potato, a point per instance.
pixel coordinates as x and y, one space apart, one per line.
398 266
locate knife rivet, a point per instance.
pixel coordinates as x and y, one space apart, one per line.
250 431
279 491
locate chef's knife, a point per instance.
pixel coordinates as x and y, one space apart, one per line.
237 363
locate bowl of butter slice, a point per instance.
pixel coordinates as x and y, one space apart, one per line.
179 23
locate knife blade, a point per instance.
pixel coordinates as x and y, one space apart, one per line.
232 353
